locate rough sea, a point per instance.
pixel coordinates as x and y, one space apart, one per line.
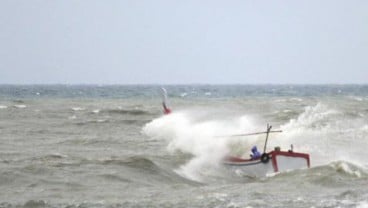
111 146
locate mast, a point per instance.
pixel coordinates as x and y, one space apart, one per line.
267 133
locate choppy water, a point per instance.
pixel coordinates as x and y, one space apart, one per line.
110 146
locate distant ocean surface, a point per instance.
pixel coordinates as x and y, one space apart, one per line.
111 146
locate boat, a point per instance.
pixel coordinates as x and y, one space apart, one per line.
270 162
166 110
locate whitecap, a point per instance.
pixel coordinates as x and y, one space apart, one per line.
183 94
72 117
363 204
280 100
220 196
310 116
20 106
346 168
208 93
364 128
3 106
296 99
356 98
96 111
78 109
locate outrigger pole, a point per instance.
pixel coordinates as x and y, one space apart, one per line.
256 133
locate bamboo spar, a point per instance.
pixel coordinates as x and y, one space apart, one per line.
251 134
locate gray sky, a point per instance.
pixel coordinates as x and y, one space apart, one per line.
183 42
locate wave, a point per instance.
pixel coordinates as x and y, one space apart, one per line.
53 156
135 162
145 171
334 174
328 134
135 112
19 106
35 203
82 123
114 177
78 109
312 117
102 121
19 101
96 111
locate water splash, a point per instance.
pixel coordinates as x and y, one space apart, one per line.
199 138
327 134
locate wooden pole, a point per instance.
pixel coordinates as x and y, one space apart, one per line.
267 133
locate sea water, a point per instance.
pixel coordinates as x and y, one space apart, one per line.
111 146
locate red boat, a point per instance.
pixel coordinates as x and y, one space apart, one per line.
269 162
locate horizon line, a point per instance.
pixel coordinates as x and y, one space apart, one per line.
175 84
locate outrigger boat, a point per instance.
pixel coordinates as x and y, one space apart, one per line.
269 162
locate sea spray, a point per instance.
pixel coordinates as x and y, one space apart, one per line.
209 141
326 134
308 133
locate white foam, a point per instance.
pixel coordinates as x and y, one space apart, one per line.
356 98
365 128
3 106
78 109
363 204
311 115
326 135
345 168
296 99
199 138
72 117
20 106
183 94
96 111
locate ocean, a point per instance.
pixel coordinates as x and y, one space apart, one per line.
112 146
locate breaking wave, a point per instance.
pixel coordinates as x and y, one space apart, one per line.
19 106
327 134
205 140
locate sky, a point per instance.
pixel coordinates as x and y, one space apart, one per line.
183 42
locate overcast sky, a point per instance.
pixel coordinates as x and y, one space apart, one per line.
183 42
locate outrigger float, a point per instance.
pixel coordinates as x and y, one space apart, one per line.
269 162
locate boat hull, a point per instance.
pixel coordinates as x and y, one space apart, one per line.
273 162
